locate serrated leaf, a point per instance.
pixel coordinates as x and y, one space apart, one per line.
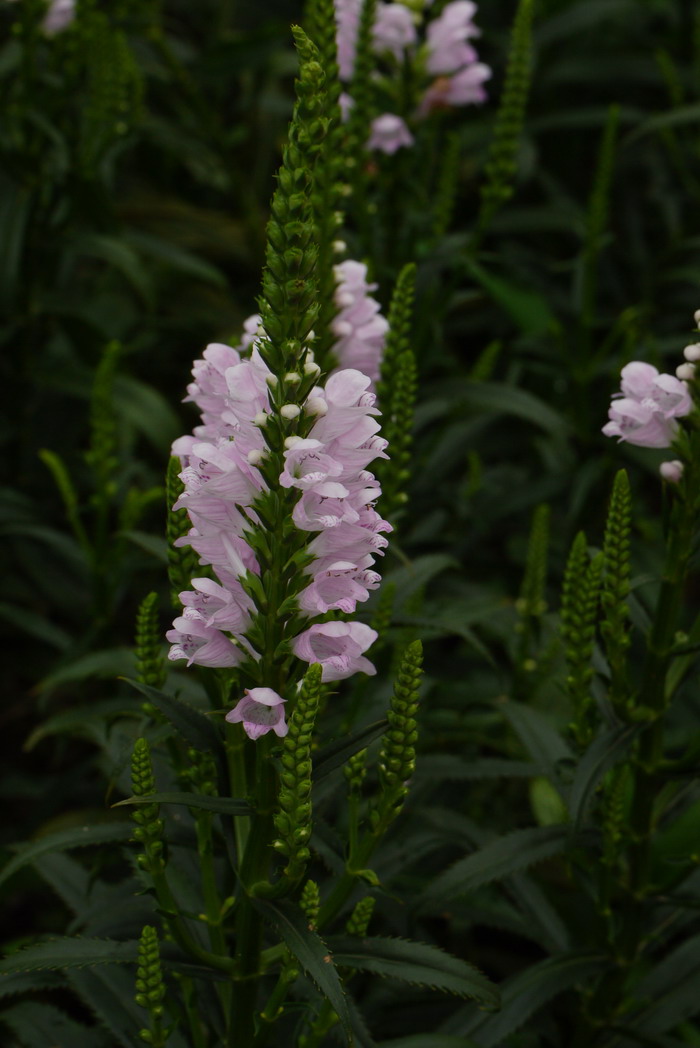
539 737
533 988
35 1022
192 724
311 952
82 837
601 755
428 1040
414 962
29 982
498 859
66 952
222 805
672 987
336 753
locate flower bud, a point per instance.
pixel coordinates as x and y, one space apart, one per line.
339 246
311 368
290 442
255 457
696 317
290 411
685 372
316 406
292 378
260 419
671 471
692 352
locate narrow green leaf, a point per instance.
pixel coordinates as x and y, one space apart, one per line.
537 734
672 988
80 837
601 755
84 721
500 399
447 766
506 855
192 724
336 753
414 962
29 982
428 1040
35 625
529 310
311 952
223 805
532 989
66 952
35 1022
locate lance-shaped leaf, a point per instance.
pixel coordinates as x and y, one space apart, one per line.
336 754
428 1040
542 741
29 982
222 805
79 837
310 951
414 962
34 1023
600 756
530 990
194 726
498 859
67 952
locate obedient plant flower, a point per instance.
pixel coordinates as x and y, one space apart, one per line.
672 471
58 17
645 411
221 478
359 327
259 711
445 68
389 133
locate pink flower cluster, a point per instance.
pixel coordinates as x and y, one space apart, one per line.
645 411
359 327
446 56
336 506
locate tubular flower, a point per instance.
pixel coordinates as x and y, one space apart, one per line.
359 327
259 711
645 411
328 468
58 17
389 133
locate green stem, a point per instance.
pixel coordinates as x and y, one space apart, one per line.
178 930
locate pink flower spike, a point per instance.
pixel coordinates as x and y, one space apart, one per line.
389 133
259 711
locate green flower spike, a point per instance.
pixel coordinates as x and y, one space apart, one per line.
579 611
397 756
616 585
150 988
310 902
358 921
150 664
149 828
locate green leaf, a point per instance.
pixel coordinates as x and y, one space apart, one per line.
336 753
311 952
498 859
542 741
34 1023
83 721
191 723
428 1040
82 837
500 399
147 411
446 766
532 989
529 310
434 625
153 544
66 952
223 805
176 257
600 756
417 963
29 982
676 117
113 663
672 987
35 625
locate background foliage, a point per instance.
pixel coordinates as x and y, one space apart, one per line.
137 162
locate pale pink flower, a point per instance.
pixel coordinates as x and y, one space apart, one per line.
645 411
347 15
447 34
389 133
338 646
260 710
394 29
672 471
204 645
464 88
58 17
359 327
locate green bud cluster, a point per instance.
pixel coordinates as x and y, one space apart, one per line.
531 601
310 902
397 755
183 562
102 451
358 921
579 609
501 165
614 626
289 300
150 664
355 770
397 395
149 828
114 88
201 775
150 988
293 818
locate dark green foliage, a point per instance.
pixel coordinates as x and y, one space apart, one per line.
397 756
579 608
147 644
150 988
614 626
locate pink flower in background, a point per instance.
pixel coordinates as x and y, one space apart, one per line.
462 89
338 646
388 133
259 711
58 17
359 327
394 29
347 15
645 411
446 38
